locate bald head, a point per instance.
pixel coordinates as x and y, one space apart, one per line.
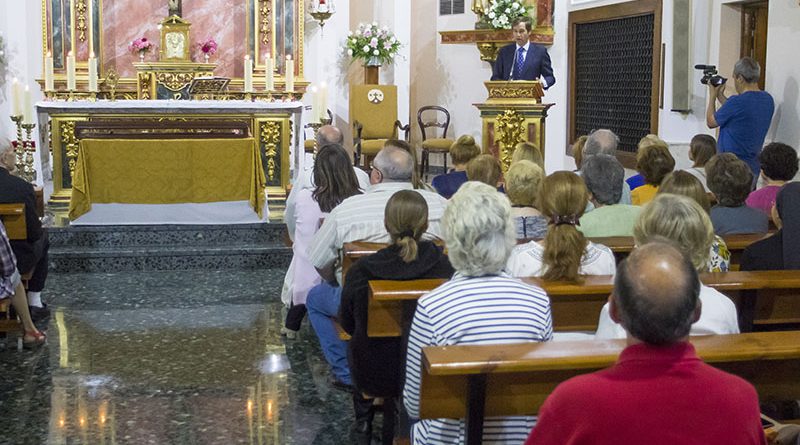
656 293
328 134
394 165
601 142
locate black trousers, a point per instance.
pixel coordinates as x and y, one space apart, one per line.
35 256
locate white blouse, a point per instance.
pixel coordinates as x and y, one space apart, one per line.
527 260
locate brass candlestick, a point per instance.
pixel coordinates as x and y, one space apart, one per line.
28 171
18 122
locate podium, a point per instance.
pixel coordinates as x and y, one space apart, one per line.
513 113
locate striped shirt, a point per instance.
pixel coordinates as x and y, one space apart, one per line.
9 276
473 310
360 218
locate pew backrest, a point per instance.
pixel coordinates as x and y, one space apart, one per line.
13 216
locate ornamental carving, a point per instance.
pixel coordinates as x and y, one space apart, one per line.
145 86
70 142
270 140
511 93
175 81
265 28
509 131
80 16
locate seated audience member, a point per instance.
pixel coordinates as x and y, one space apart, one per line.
528 151
416 179
653 162
463 150
782 249
358 218
682 221
11 286
603 176
778 166
683 183
659 386
480 305
31 253
522 185
701 149
485 169
334 181
731 180
564 253
326 135
605 142
637 180
377 364
577 151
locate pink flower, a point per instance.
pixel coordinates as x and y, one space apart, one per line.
374 42
367 33
387 45
209 46
140 45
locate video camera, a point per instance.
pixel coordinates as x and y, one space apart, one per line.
710 75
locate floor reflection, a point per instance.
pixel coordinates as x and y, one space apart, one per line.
208 374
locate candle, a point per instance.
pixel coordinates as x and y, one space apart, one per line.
16 100
289 74
269 74
92 73
48 72
248 74
323 101
70 71
27 109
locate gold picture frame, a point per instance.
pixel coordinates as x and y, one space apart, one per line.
175 41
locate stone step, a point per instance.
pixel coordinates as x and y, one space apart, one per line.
169 257
260 234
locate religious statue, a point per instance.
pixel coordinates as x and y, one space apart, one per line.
174 7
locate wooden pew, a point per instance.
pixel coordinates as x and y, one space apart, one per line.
763 299
13 216
473 381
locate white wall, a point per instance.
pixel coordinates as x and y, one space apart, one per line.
783 70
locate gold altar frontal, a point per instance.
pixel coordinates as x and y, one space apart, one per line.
271 129
512 113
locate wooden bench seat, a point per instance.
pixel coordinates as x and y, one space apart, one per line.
473 381
767 298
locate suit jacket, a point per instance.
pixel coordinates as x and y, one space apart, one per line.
16 190
537 63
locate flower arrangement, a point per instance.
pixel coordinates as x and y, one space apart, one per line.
373 44
208 47
502 13
140 46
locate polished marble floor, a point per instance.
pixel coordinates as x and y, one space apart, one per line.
188 357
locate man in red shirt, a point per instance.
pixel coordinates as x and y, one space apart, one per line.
659 391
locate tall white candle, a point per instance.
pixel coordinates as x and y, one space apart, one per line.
27 109
16 99
289 74
269 74
71 71
48 72
248 74
323 101
92 73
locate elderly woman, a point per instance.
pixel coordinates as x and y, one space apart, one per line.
528 151
681 220
778 166
653 162
564 253
637 180
522 186
781 250
485 169
11 286
463 150
731 180
480 305
603 175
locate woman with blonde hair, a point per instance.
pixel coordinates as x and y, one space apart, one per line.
485 169
528 151
637 180
682 221
463 150
376 364
684 183
564 253
523 180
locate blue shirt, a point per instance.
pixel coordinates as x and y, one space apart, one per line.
743 123
447 184
635 181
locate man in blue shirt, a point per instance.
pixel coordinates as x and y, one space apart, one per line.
523 60
744 119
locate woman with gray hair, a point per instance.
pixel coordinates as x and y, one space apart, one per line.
480 305
685 223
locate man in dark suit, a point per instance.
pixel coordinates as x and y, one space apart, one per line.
523 60
31 253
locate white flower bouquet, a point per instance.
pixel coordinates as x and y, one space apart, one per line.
373 44
501 13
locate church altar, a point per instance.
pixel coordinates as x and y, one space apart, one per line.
275 127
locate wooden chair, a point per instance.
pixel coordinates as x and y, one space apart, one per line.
476 381
440 145
13 217
373 109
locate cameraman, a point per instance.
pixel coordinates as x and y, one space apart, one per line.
744 119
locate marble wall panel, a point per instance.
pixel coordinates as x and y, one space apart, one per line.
125 21
224 21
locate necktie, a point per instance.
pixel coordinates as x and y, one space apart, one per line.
520 62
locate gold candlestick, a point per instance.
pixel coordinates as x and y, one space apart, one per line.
28 172
18 122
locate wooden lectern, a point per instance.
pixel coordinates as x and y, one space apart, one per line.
512 113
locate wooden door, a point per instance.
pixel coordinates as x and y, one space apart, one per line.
754 35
